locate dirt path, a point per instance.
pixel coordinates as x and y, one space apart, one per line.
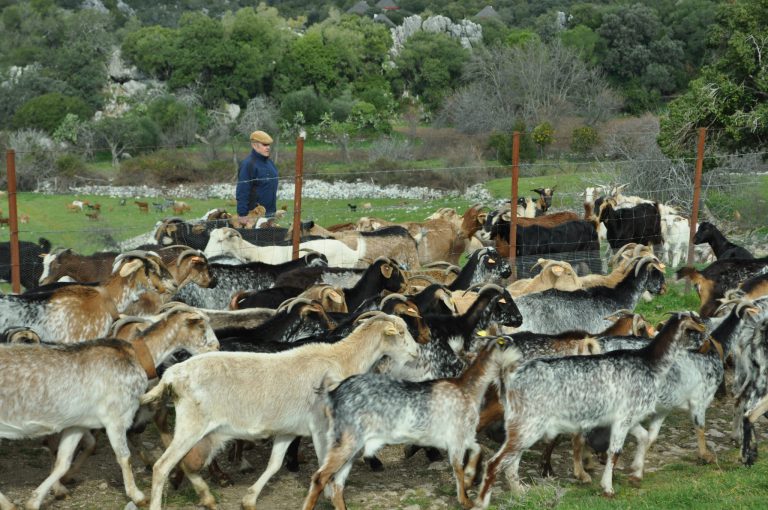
409 484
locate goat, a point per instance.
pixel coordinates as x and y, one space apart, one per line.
639 224
352 207
143 206
545 397
228 241
330 298
554 311
30 261
96 384
235 278
723 248
181 207
368 411
713 281
81 268
73 313
394 242
199 383
554 274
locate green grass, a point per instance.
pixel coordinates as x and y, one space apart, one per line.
682 485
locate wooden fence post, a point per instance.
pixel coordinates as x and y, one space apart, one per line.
513 205
13 224
696 199
298 180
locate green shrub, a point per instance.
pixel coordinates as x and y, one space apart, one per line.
543 135
501 143
70 165
46 112
305 101
584 139
162 168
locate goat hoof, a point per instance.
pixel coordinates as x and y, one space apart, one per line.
374 463
547 471
434 455
634 481
584 478
609 495
707 458
410 450
143 503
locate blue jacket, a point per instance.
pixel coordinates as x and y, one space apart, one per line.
256 184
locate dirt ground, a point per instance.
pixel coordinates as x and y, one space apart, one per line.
408 484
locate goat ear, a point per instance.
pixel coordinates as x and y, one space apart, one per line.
131 267
390 330
335 296
386 270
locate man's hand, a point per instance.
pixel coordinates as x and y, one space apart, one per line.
243 220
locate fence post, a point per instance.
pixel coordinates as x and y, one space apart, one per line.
696 199
297 194
13 225
513 205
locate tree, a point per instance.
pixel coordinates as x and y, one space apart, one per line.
130 132
730 97
46 112
583 40
529 83
430 66
152 50
634 46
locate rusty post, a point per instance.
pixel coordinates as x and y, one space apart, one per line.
513 205
696 199
297 194
13 224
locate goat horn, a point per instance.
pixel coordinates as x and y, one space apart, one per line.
393 296
641 261
437 263
368 314
424 277
191 252
452 269
129 319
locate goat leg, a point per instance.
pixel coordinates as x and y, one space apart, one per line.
748 451
546 458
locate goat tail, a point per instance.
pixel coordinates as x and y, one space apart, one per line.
589 346
156 394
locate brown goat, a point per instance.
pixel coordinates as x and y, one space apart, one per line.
143 206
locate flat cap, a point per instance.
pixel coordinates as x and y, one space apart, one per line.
261 137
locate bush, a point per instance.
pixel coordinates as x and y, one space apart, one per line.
46 112
163 168
305 101
584 139
543 135
70 165
501 144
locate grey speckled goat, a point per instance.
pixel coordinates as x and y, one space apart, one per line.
553 311
550 396
369 411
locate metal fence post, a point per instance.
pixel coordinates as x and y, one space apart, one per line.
696 199
513 205
297 194
13 224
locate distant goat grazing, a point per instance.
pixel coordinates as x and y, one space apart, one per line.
548 396
368 411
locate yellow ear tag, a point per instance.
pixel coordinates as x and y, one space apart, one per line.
491 261
501 341
482 332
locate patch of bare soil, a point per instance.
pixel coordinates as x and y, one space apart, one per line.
411 484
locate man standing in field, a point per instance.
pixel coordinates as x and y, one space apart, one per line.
257 179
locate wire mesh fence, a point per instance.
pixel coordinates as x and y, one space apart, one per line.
335 192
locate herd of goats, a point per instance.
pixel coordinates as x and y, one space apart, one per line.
375 336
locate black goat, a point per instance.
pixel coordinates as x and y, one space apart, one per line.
234 278
640 224
30 261
723 248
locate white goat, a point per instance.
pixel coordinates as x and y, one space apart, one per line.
216 398
46 389
228 241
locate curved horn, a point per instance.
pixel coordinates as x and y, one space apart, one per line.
368 314
437 263
191 252
424 277
641 261
391 297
